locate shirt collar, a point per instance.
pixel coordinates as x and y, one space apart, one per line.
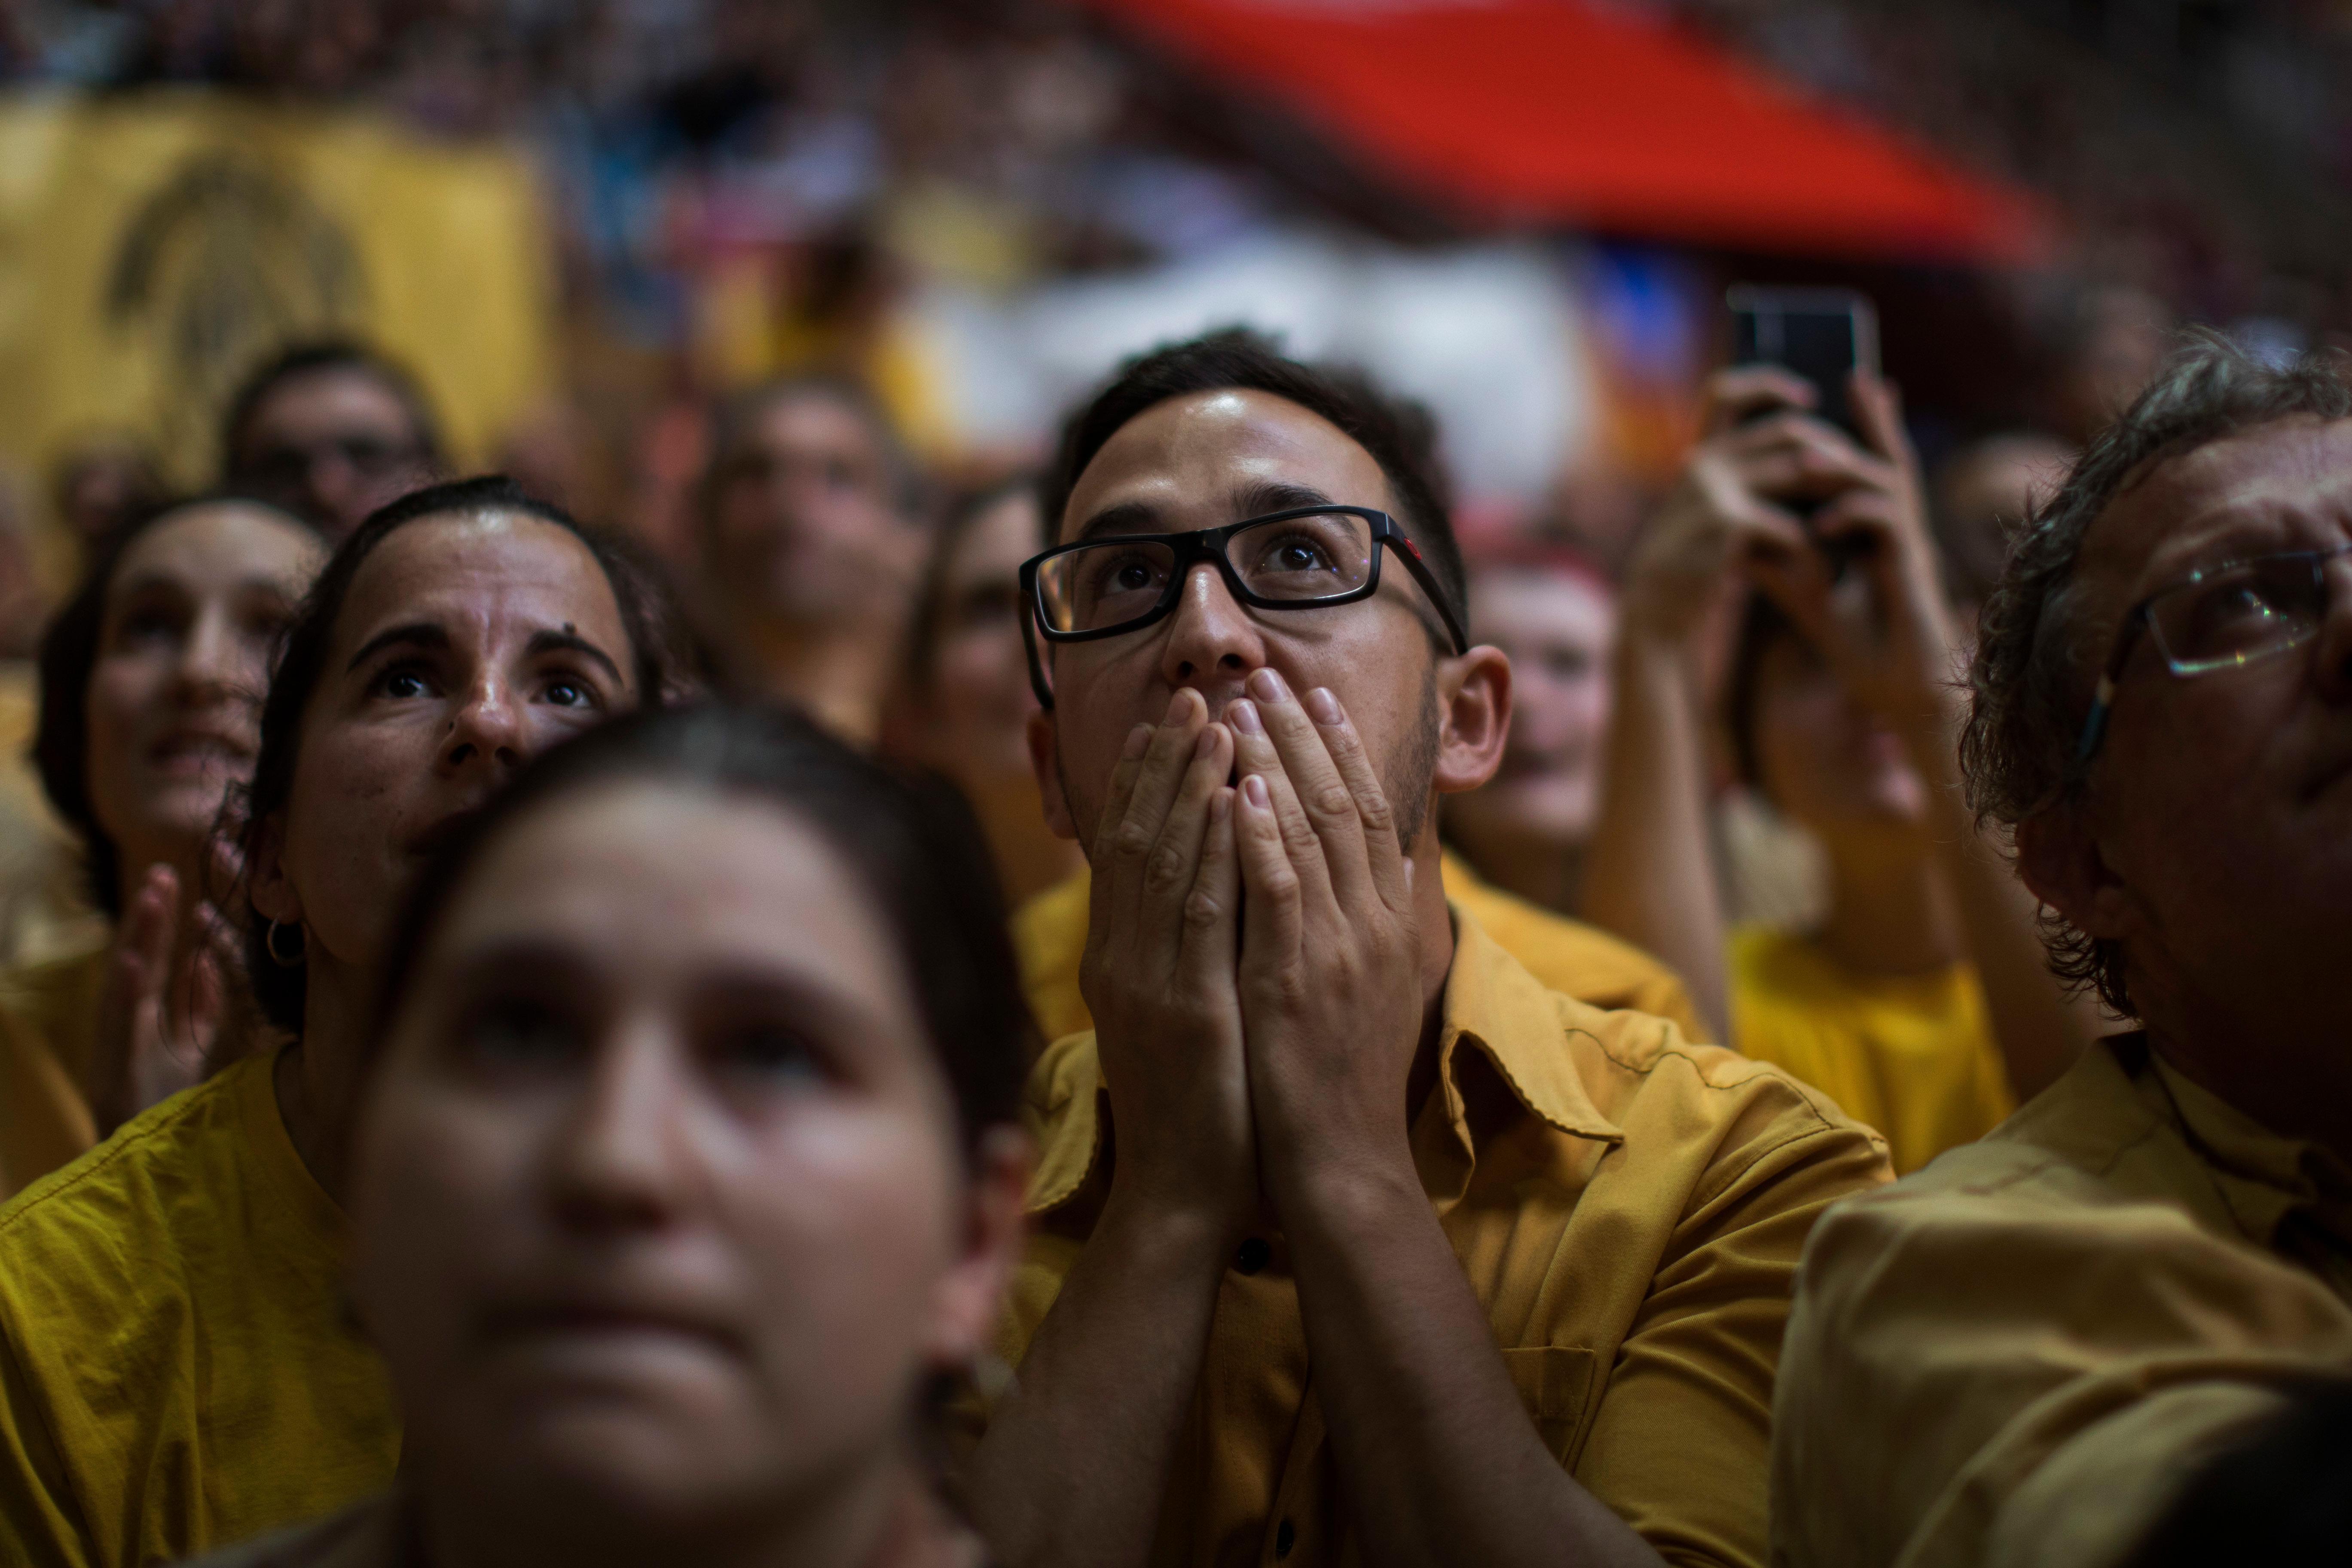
2263 1177
1493 1005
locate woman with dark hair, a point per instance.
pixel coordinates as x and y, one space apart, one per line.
688 1171
152 678
176 1367
1918 1000
964 699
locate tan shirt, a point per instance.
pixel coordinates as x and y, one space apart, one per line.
49 1033
2017 1355
1628 1207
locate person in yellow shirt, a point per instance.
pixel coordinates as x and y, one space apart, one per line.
689 1162
177 1365
2021 1355
1919 1001
152 678
1348 1230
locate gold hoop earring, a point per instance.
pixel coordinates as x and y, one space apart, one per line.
269 945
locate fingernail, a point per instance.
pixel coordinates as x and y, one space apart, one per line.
1242 716
1178 708
1206 744
1136 739
1324 708
1254 787
1267 687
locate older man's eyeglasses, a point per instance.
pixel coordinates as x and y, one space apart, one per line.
1308 558
2222 618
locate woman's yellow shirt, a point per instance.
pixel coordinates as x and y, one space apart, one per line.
179 1367
1912 1055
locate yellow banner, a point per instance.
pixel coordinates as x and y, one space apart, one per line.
154 246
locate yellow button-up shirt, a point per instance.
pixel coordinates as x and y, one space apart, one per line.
2017 1355
1577 960
1628 1207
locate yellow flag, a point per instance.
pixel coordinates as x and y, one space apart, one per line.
154 246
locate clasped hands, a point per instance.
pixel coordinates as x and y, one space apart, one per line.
1253 960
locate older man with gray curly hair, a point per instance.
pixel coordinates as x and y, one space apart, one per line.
2017 1354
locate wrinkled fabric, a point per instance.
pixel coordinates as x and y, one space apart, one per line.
1912 1055
179 1368
1628 1207
2017 1354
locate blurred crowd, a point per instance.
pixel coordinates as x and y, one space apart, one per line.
893 961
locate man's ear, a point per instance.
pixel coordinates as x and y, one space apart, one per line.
266 887
2059 862
1049 775
1474 718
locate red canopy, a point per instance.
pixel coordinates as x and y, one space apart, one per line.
1560 112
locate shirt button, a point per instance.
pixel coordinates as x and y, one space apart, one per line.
1285 1538
1253 1255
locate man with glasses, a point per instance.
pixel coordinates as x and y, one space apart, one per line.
1353 1241
330 431
2017 1354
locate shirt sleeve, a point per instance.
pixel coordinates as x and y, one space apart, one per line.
1680 1445
1966 1367
40 1522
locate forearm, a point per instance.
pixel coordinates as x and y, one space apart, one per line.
2039 1030
1436 1455
1076 1456
1649 874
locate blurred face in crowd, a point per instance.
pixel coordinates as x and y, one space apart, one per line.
663 1217
1208 459
2215 838
332 444
1983 494
976 712
1827 761
804 529
1557 627
192 617
468 643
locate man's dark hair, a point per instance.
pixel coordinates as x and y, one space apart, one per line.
2035 665
907 837
68 657
647 615
1398 434
732 422
308 358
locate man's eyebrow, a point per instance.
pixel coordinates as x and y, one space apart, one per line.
568 639
1127 517
1255 500
414 633
1276 495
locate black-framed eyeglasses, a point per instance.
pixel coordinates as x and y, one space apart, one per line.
2224 618
1308 558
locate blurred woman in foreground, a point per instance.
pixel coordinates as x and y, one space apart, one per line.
152 679
1920 1001
171 1303
688 1166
